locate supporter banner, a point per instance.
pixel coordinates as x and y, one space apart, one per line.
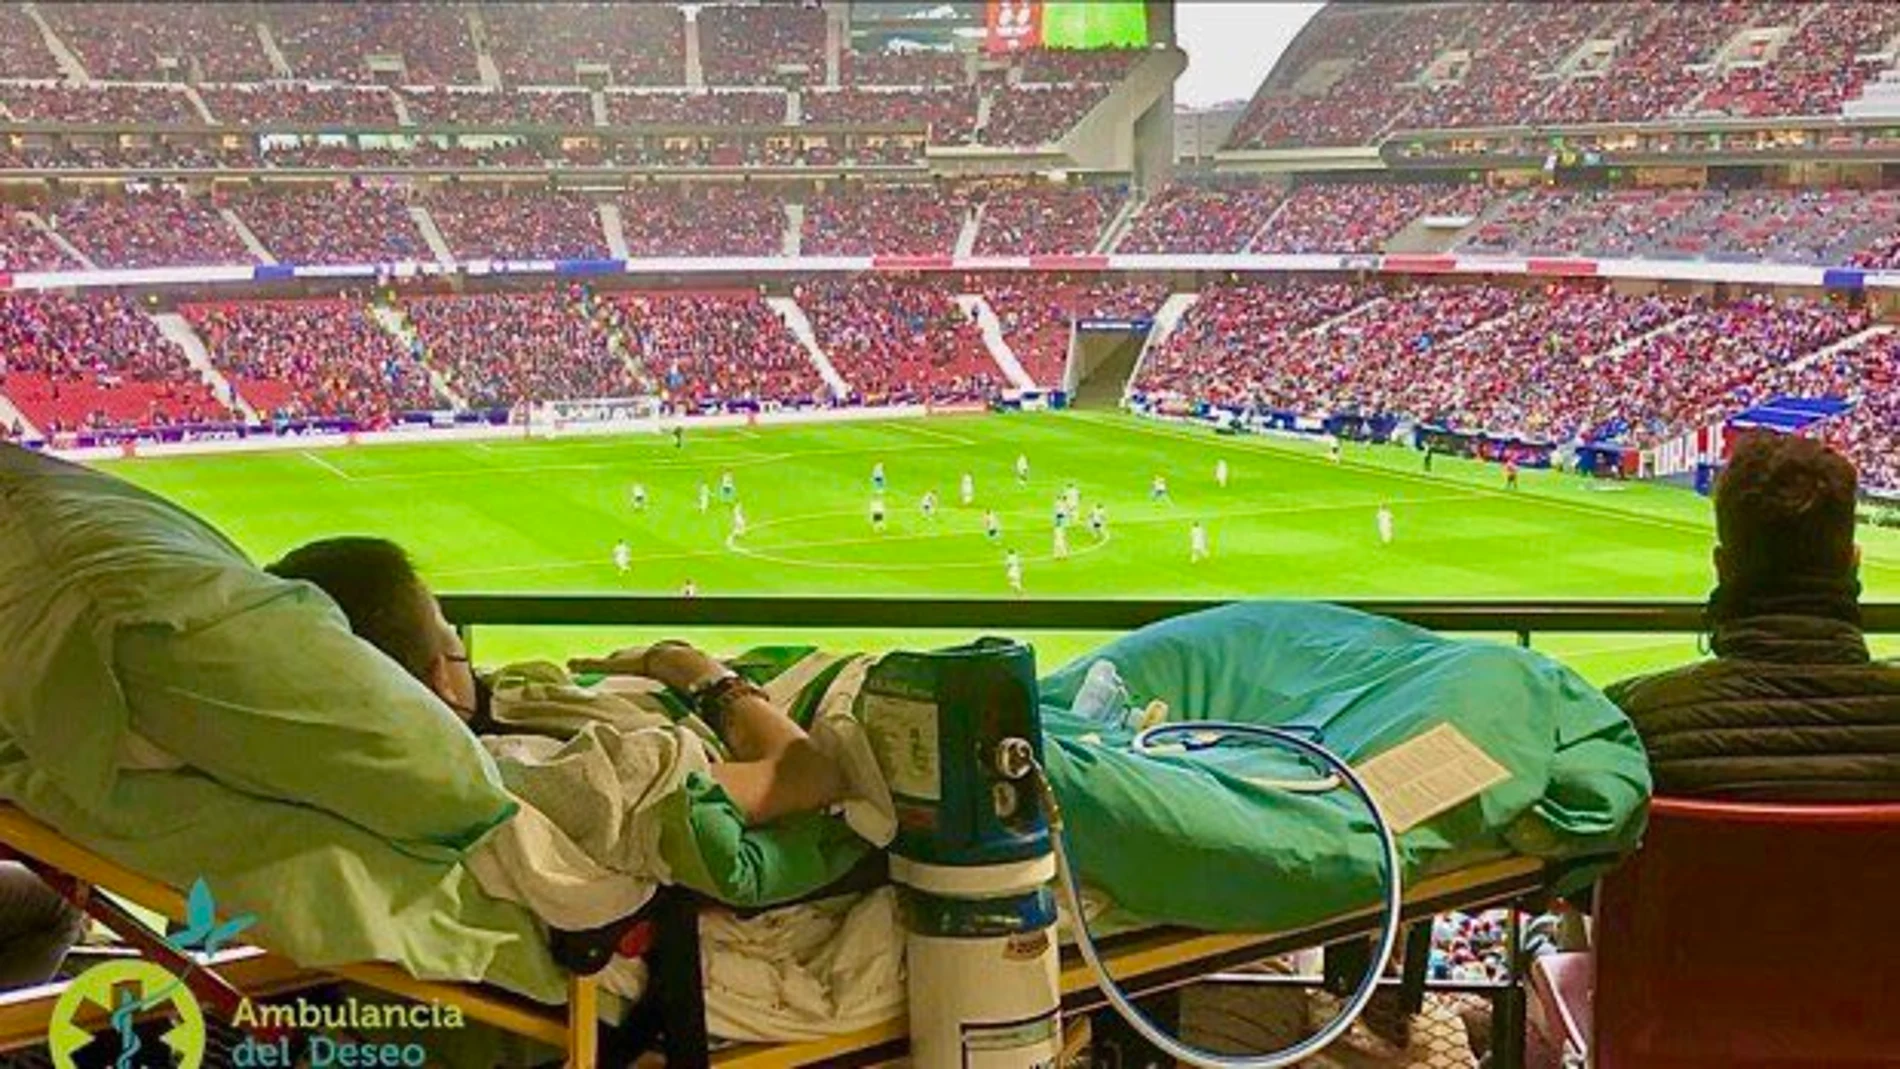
1118 326
1420 265
589 267
153 276
1671 270
1013 25
1561 268
6 280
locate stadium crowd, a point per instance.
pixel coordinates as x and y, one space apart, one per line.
896 341
297 105
747 45
451 107
890 220
901 68
500 349
706 220
25 247
74 364
1361 216
92 105
312 359
518 224
334 42
123 41
1033 115
1193 218
161 227
333 224
717 108
714 350
1036 316
1041 219
949 114
541 43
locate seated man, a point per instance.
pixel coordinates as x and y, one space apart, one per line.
1792 707
776 771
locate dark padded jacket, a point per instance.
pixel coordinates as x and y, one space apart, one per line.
1791 709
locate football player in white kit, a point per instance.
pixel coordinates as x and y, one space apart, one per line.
705 497
1385 524
1197 543
623 557
877 515
1013 571
1220 474
992 527
738 521
1059 549
639 497
966 489
1022 468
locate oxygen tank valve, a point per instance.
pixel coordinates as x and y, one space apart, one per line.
1014 758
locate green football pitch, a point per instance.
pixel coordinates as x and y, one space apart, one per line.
543 515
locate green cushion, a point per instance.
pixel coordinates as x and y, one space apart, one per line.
122 614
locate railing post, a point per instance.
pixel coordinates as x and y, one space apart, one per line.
1524 639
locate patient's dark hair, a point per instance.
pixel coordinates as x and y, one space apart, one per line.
373 582
1784 509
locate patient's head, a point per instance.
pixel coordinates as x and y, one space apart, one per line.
1784 511
389 607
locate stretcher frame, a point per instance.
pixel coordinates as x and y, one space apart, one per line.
1146 963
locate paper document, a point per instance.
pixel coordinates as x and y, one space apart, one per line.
1426 775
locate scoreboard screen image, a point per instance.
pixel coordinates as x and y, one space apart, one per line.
1094 24
1014 24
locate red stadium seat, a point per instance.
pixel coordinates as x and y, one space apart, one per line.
1751 935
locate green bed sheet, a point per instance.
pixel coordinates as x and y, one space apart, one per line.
1198 840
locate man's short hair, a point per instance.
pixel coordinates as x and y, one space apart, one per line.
1784 506
376 586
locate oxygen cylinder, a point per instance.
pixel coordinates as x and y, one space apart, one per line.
972 857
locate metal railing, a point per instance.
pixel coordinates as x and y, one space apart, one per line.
1523 619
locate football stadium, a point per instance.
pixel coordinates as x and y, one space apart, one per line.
877 532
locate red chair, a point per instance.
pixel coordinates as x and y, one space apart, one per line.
1752 935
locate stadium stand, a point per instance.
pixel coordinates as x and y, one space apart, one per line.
714 350
1188 217
449 107
334 42
25 247
1022 219
96 364
1361 216
1034 115
901 68
162 227
543 43
312 359
332 224
499 349
1074 66
1815 70
717 108
23 52
95 105
297 105
746 45
1824 227
518 224
1219 353
865 220
1036 316
705 220
949 114
128 42
897 341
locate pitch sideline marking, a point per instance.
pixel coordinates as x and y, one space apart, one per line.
326 465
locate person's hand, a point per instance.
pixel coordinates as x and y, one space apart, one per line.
675 664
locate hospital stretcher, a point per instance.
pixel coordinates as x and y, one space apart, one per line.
1146 963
